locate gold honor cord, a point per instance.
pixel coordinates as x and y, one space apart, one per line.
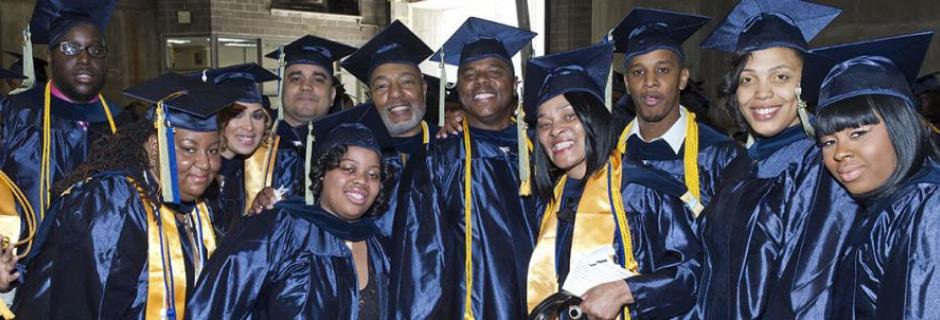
689 161
45 174
28 215
425 134
600 215
166 267
468 222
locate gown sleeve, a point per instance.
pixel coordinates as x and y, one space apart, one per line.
911 286
667 288
99 245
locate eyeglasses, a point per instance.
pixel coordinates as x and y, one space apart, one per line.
73 49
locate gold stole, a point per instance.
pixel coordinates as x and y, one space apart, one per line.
689 161
600 214
166 267
259 170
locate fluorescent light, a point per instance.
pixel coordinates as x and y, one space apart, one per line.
242 45
178 41
233 40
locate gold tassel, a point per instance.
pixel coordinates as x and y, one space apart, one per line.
525 175
28 68
803 114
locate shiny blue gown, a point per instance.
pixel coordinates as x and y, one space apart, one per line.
397 158
289 164
73 128
227 199
665 247
890 268
93 264
716 151
288 263
772 237
427 276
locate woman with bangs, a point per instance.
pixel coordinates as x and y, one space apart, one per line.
772 236
876 144
599 206
246 127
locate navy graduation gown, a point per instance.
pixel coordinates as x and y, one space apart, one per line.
397 157
772 237
289 263
889 270
226 198
427 278
93 264
74 126
289 164
716 151
665 247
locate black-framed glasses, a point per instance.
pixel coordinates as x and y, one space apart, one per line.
73 49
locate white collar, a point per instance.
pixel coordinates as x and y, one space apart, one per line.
674 137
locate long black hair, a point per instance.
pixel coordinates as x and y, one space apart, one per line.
124 152
599 137
329 159
907 129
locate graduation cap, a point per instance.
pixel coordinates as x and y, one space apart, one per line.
926 83
645 30
886 66
478 38
247 76
180 102
395 44
580 70
38 64
760 24
51 19
312 50
7 74
360 126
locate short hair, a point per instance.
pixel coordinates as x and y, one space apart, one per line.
329 159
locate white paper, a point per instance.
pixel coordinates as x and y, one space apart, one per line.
593 269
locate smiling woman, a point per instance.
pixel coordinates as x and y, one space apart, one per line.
876 144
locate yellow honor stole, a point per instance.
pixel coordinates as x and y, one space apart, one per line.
689 160
600 215
166 268
259 169
45 174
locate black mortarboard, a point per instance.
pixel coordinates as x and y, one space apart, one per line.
247 76
926 83
645 30
478 38
190 103
886 66
580 70
364 114
51 19
38 64
760 24
395 44
313 50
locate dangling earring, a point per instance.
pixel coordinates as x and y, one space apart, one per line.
803 114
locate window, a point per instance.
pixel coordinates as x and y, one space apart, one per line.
188 54
344 7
